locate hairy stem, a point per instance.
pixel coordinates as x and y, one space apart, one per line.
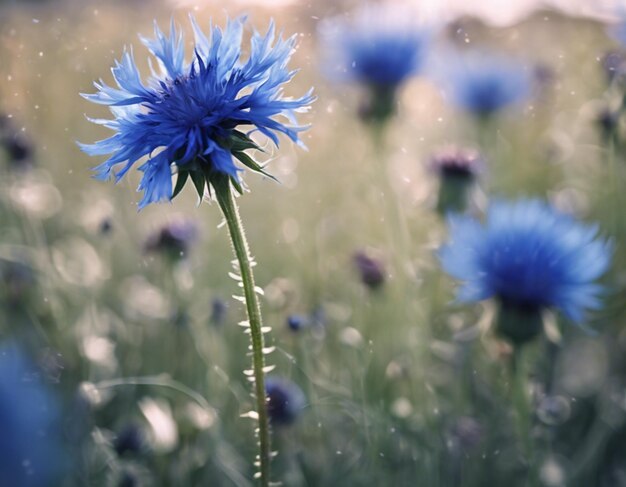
226 200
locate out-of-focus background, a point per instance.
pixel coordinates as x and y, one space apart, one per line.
402 386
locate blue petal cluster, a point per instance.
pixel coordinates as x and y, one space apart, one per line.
374 48
29 421
483 83
529 255
285 400
187 112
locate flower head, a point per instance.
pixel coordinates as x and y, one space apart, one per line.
457 169
378 46
18 148
371 269
219 310
483 83
188 114
285 400
29 419
297 322
173 239
17 281
129 440
529 256
613 64
454 161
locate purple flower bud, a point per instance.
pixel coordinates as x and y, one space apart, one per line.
452 161
297 322
285 400
457 169
466 433
613 65
219 307
371 270
129 440
173 239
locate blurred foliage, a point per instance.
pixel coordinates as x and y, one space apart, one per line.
403 386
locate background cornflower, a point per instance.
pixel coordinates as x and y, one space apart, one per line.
613 64
457 169
379 47
482 83
186 117
530 257
285 400
30 444
370 268
173 239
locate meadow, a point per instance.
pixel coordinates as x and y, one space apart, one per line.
129 319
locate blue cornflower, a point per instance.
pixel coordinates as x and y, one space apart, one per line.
29 421
285 400
188 114
530 257
375 47
484 83
379 48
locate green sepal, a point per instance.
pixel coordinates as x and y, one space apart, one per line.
199 181
250 163
207 174
237 185
180 183
239 142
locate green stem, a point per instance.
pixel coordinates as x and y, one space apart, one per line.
226 200
523 411
398 235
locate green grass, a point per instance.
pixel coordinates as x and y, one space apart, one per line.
393 376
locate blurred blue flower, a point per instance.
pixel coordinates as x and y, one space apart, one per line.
379 46
285 400
29 420
297 322
483 83
528 256
187 114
